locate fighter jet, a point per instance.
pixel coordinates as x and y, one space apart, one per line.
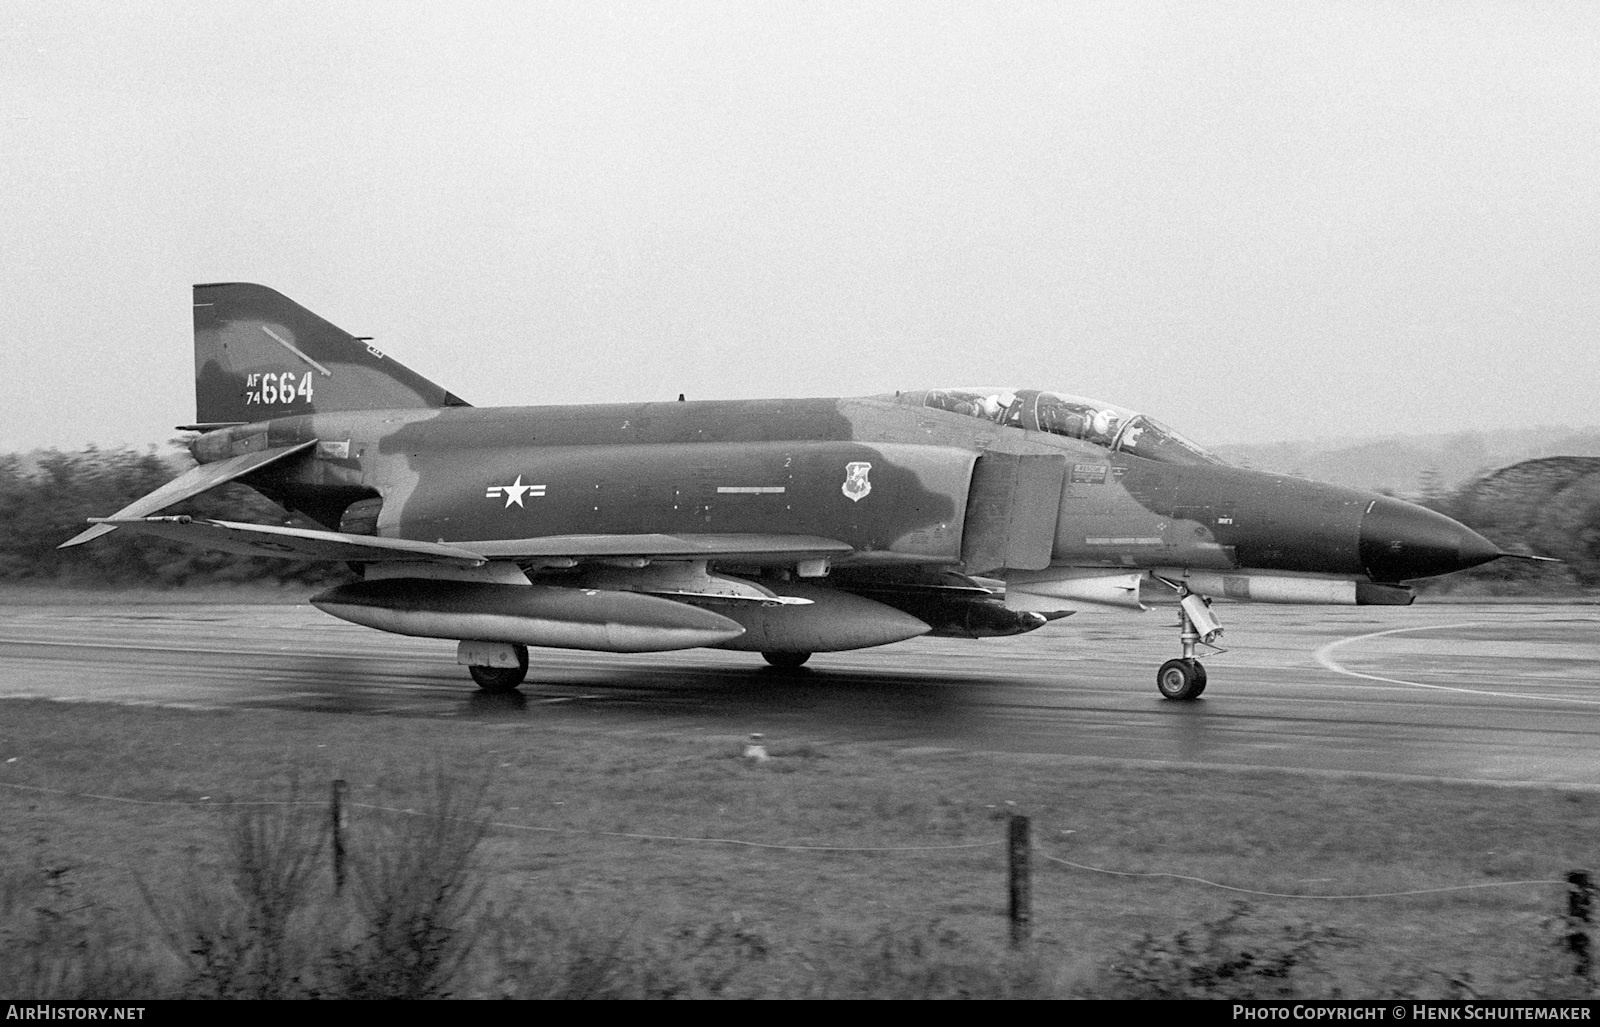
781 527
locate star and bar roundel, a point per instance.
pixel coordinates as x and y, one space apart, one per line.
514 492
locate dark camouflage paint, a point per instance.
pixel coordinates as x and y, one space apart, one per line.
657 467
231 320
632 473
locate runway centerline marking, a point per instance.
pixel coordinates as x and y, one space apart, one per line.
1323 656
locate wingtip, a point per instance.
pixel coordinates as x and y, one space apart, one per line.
88 535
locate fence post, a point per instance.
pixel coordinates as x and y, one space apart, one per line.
340 820
1580 907
1020 851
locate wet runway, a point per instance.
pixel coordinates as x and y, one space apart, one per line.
1483 692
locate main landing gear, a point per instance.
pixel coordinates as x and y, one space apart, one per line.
1185 677
501 679
786 661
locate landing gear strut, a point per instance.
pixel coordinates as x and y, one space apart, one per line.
1185 677
502 679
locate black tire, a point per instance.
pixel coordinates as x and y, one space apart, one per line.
1181 680
502 679
786 661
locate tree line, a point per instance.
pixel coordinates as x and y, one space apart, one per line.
46 498
1544 507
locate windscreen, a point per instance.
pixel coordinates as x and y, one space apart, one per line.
1149 438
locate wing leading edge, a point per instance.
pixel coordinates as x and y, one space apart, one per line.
312 544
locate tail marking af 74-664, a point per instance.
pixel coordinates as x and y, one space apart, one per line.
784 527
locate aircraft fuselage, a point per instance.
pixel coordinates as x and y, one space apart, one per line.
895 482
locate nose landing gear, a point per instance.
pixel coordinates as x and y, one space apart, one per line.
1181 679
1185 677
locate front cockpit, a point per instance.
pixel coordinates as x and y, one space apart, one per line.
1110 427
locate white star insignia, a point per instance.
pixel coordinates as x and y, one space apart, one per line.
514 491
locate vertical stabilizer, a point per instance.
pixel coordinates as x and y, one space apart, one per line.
260 355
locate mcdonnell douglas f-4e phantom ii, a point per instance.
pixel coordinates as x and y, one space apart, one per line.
784 527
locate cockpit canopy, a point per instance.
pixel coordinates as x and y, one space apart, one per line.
1104 425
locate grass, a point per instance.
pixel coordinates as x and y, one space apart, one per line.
542 885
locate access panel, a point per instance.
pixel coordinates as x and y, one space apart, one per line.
1011 511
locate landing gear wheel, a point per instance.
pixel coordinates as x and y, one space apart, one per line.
786 661
502 679
1181 679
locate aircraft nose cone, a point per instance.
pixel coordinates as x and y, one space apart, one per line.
1401 541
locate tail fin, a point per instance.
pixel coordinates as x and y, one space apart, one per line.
260 355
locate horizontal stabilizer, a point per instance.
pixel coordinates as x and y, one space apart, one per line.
292 543
186 486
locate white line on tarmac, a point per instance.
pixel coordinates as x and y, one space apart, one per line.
1324 656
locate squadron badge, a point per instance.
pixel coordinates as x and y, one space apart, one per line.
856 486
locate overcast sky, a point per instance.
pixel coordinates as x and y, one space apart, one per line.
1255 221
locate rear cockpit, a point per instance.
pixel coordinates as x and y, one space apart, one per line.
1109 427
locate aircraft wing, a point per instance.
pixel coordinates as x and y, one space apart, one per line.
188 484
313 544
291 543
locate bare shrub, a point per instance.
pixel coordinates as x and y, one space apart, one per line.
415 888
931 961
56 943
545 958
245 936
1558 972
1230 957
541 957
